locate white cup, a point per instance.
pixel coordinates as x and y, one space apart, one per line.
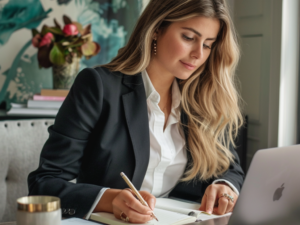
38 210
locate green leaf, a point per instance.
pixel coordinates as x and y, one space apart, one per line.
55 30
44 30
76 44
34 32
43 56
57 24
88 48
57 56
75 40
86 30
87 37
66 19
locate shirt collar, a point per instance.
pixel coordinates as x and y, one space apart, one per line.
151 93
154 96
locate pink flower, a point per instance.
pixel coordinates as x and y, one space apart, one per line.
36 40
70 29
47 39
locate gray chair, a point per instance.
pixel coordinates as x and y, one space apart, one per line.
21 142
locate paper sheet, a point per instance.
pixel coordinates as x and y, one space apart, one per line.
77 221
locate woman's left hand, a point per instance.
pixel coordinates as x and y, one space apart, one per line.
213 200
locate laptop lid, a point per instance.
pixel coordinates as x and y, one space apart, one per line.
271 191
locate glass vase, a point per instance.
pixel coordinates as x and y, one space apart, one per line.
64 75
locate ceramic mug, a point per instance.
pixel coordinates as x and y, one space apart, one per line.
37 210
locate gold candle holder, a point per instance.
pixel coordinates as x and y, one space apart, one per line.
38 203
37 210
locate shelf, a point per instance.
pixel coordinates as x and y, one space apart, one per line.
4 116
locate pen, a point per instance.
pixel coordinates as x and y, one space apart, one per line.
137 194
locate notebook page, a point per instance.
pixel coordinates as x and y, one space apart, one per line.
171 218
177 206
184 208
110 218
203 217
77 221
164 217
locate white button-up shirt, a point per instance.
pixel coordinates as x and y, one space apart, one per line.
167 154
168 157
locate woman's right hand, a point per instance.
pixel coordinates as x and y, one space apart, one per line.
118 201
131 207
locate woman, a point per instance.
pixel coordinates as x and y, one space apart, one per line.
164 111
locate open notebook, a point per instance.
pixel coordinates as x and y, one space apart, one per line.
168 211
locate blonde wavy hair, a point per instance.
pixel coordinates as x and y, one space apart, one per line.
209 96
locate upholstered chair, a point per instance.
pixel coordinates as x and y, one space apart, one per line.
21 142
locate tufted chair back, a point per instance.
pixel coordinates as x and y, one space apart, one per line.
21 142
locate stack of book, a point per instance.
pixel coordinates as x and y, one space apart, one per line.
46 103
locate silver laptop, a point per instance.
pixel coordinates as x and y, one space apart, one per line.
271 192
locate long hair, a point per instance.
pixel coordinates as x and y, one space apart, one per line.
209 95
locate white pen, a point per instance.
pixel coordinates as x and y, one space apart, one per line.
137 194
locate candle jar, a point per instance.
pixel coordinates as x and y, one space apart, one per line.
37 210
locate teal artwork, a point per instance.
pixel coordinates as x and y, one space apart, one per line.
18 14
20 76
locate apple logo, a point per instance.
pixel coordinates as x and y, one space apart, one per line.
278 193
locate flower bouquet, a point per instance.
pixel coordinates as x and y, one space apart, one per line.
62 49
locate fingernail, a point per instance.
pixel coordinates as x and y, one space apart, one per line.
150 212
209 211
151 204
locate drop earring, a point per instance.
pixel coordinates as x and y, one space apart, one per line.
154 45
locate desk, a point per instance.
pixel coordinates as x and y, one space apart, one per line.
218 221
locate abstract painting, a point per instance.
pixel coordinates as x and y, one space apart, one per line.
20 76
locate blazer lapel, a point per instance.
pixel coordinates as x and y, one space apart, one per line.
135 107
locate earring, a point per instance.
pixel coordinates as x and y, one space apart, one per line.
154 44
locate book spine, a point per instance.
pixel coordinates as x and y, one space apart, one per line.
54 92
28 111
48 98
44 104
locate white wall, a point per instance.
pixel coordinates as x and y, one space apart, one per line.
269 70
258 23
231 6
289 73
145 3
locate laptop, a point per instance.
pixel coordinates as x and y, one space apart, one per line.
271 192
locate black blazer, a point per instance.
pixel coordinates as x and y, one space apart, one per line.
102 129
